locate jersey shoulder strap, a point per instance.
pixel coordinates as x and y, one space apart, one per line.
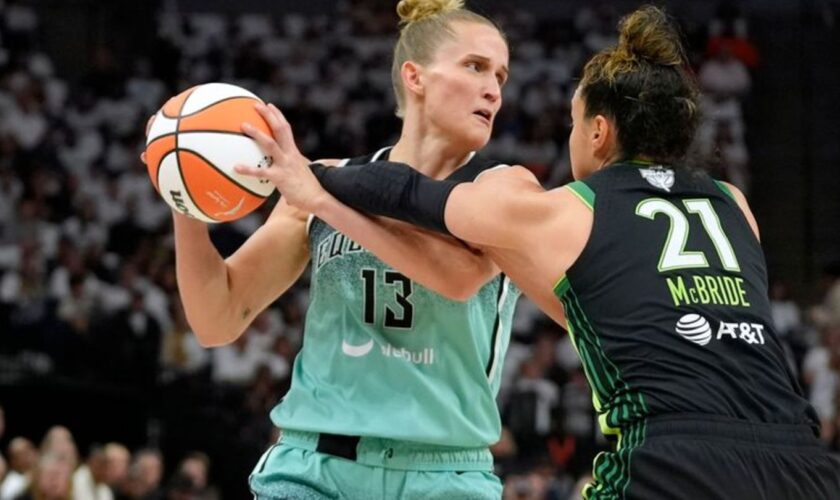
476 166
584 193
381 154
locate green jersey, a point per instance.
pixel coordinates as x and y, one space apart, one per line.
386 357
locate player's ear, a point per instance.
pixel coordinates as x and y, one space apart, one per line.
412 78
603 135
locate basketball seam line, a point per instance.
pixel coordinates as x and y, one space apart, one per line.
208 106
169 134
178 159
217 169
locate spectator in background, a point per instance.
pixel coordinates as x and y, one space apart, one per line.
725 75
734 157
89 479
23 457
729 28
11 190
4 468
267 326
59 442
279 359
181 354
24 291
51 480
821 373
118 459
132 340
828 311
235 364
787 317
193 475
532 408
144 477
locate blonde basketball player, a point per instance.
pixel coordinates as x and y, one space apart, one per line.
393 392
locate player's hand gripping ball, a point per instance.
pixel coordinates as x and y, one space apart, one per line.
193 143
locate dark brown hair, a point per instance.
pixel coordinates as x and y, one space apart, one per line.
644 85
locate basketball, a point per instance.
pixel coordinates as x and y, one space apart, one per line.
193 144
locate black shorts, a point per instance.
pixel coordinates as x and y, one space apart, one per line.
686 458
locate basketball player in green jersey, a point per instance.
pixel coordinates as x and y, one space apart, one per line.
658 270
393 392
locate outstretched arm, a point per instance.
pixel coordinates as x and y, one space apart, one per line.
442 264
499 209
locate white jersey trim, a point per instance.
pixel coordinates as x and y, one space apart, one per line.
497 346
497 167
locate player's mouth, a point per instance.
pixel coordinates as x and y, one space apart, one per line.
484 115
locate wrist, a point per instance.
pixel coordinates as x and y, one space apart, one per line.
320 202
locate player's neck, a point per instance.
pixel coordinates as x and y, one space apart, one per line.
433 155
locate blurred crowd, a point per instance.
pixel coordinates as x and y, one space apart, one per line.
87 279
55 470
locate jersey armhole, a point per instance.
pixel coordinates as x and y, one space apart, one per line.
311 218
583 192
723 187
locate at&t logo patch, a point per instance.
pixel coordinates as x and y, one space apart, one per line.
694 328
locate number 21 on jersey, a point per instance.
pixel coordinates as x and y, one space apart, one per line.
674 254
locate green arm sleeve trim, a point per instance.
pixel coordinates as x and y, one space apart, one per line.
728 192
583 192
562 286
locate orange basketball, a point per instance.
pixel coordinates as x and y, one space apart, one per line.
193 144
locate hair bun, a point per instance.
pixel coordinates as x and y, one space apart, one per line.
648 34
415 10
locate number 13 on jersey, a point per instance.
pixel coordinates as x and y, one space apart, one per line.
403 319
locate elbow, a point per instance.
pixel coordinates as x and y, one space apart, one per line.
206 340
210 334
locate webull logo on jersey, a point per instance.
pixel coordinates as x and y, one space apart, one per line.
659 177
696 329
424 356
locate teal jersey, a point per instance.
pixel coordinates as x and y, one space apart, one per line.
385 357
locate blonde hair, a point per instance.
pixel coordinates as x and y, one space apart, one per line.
424 24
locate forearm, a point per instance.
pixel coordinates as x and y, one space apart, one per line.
389 189
490 212
222 297
439 263
203 283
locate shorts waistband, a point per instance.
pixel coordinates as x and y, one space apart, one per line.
722 428
390 453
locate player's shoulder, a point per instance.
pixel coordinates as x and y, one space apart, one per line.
502 171
330 162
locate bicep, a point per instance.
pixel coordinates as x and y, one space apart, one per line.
496 210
